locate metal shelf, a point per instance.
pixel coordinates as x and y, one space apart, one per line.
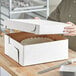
30 10
5 6
4 14
23 6
10 8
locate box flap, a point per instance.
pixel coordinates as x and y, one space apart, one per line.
36 26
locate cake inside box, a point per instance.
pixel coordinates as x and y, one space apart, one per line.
30 38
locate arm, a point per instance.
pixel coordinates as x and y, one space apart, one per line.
55 15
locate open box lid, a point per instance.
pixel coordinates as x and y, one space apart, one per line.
36 26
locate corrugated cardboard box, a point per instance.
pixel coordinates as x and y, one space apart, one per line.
38 52
36 26
35 53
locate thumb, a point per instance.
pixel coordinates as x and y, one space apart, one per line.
72 24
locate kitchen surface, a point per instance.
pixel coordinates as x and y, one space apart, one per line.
30 44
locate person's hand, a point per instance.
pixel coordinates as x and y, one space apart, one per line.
36 18
71 30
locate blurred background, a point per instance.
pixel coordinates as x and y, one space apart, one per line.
26 9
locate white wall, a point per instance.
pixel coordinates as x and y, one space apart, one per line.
53 4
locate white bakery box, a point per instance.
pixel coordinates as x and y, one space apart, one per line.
37 48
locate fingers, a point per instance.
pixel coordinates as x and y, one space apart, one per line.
70 34
70 27
36 18
71 30
72 24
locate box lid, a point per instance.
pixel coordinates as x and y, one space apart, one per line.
36 26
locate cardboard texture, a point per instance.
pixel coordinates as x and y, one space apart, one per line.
36 26
35 53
